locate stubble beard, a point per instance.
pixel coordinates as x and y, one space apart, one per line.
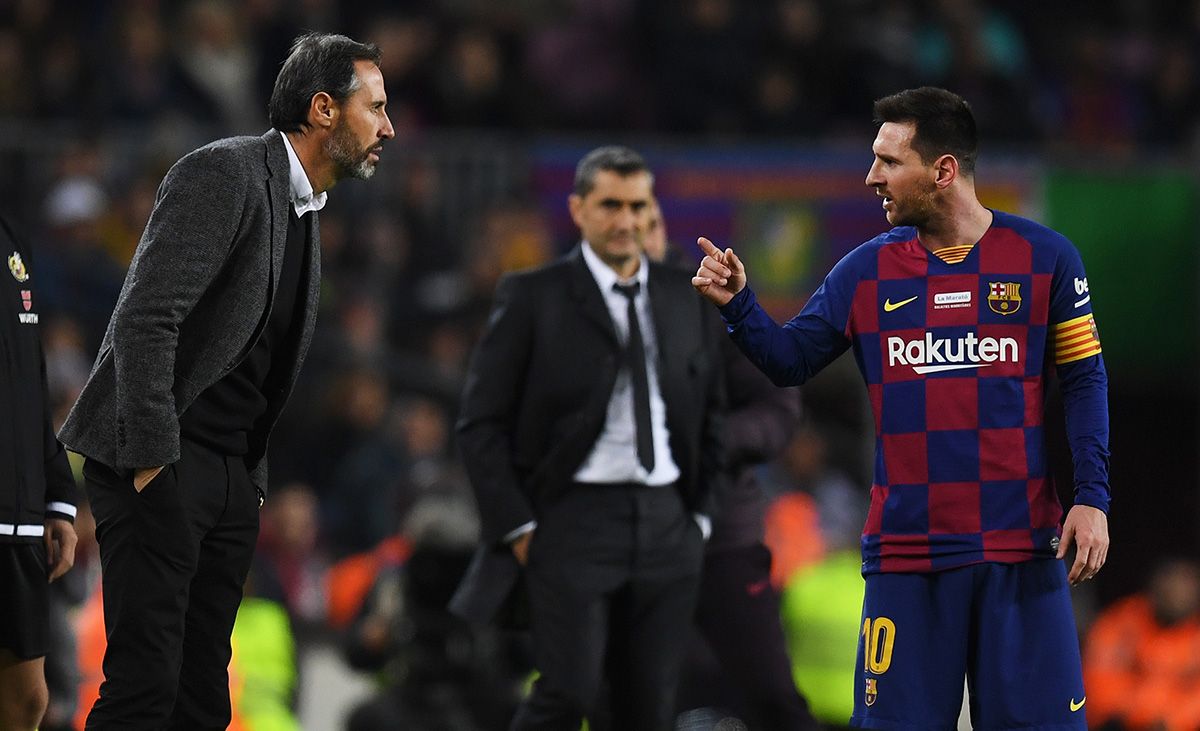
920 210
349 161
620 259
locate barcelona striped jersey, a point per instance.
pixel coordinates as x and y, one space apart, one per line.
955 349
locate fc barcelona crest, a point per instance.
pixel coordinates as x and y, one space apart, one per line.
1004 298
872 690
17 267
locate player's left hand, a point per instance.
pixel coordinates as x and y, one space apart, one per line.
1087 528
60 546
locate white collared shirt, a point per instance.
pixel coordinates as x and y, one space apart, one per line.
302 196
614 456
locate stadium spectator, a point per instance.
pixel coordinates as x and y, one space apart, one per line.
202 351
1141 660
955 317
621 64
435 670
288 567
804 466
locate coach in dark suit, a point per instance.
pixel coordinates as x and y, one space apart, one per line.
589 428
200 355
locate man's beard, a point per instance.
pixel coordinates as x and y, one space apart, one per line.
919 209
349 161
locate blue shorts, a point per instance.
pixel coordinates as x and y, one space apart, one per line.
1007 628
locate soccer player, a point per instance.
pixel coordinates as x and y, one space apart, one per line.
955 316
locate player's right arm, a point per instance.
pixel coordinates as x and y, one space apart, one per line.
789 354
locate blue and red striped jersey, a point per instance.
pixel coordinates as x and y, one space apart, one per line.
955 354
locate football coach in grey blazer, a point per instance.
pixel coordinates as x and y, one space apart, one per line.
200 355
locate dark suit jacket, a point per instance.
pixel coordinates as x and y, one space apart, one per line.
193 306
537 395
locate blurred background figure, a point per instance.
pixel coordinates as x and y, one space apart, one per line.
805 488
737 660
289 567
434 672
1142 655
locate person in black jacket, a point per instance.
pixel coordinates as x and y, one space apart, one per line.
37 496
202 352
590 430
737 613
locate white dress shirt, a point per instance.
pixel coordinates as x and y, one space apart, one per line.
302 196
614 457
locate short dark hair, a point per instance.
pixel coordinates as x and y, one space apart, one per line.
621 160
317 62
943 120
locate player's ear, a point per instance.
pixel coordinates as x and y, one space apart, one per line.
575 205
945 171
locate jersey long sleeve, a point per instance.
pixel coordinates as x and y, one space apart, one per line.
955 357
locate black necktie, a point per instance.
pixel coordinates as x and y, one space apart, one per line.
635 357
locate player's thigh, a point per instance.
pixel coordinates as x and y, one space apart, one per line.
1026 671
912 650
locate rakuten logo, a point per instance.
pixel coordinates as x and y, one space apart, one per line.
931 355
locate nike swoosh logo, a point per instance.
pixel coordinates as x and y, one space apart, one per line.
889 306
1076 706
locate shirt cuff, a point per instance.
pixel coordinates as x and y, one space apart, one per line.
705 524
1094 499
516 533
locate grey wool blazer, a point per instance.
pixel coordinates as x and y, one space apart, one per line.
194 304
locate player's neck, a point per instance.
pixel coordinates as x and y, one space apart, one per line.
963 222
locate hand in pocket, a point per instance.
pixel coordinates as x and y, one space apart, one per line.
143 477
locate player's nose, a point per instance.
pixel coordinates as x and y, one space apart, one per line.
875 175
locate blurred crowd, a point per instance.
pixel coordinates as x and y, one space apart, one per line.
1123 74
370 515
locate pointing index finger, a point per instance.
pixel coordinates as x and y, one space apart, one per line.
709 248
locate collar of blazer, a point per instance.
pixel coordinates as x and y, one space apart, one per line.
275 156
586 294
279 189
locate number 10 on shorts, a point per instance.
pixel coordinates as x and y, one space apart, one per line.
879 635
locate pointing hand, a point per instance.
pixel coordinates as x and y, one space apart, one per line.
721 274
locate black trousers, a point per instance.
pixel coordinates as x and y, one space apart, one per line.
737 625
174 558
612 578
